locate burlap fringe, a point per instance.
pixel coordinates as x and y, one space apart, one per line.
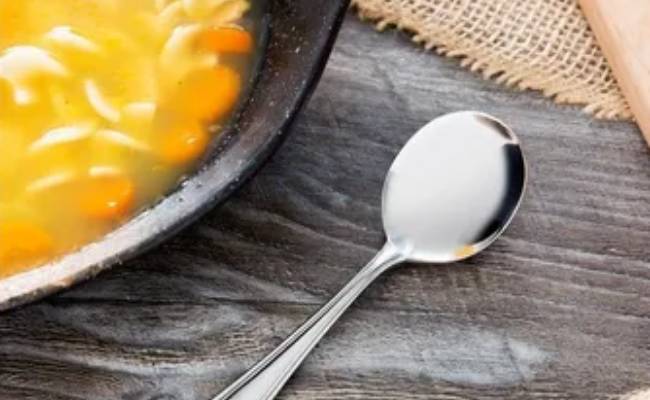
544 45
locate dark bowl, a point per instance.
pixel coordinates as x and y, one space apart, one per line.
300 36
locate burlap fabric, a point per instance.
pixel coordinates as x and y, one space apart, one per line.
529 44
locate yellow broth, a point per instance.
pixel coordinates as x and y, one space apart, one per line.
104 106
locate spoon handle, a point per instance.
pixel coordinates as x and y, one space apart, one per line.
264 380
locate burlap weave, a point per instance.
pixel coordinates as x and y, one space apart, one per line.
530 44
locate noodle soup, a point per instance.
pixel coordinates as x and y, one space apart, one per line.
104 106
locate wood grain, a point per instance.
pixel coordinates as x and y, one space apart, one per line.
557 309
623 28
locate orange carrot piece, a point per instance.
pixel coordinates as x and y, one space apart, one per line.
208 94
107 197
183 144
23 244
226 40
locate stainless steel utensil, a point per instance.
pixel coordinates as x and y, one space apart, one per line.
450 193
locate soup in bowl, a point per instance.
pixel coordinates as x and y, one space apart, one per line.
104 106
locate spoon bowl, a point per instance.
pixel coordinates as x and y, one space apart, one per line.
450 193
453 188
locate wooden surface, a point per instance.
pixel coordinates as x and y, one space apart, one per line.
623 29
559 308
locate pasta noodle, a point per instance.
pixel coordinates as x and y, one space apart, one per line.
59 136
65 37
22 66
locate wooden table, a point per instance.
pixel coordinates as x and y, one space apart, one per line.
559 308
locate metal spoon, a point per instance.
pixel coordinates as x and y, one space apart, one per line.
450 193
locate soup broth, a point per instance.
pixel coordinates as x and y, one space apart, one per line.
104 106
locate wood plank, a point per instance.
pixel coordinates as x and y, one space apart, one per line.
557 309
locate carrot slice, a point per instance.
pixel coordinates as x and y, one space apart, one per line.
107 197
183 143
226 40
208 94
23 243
